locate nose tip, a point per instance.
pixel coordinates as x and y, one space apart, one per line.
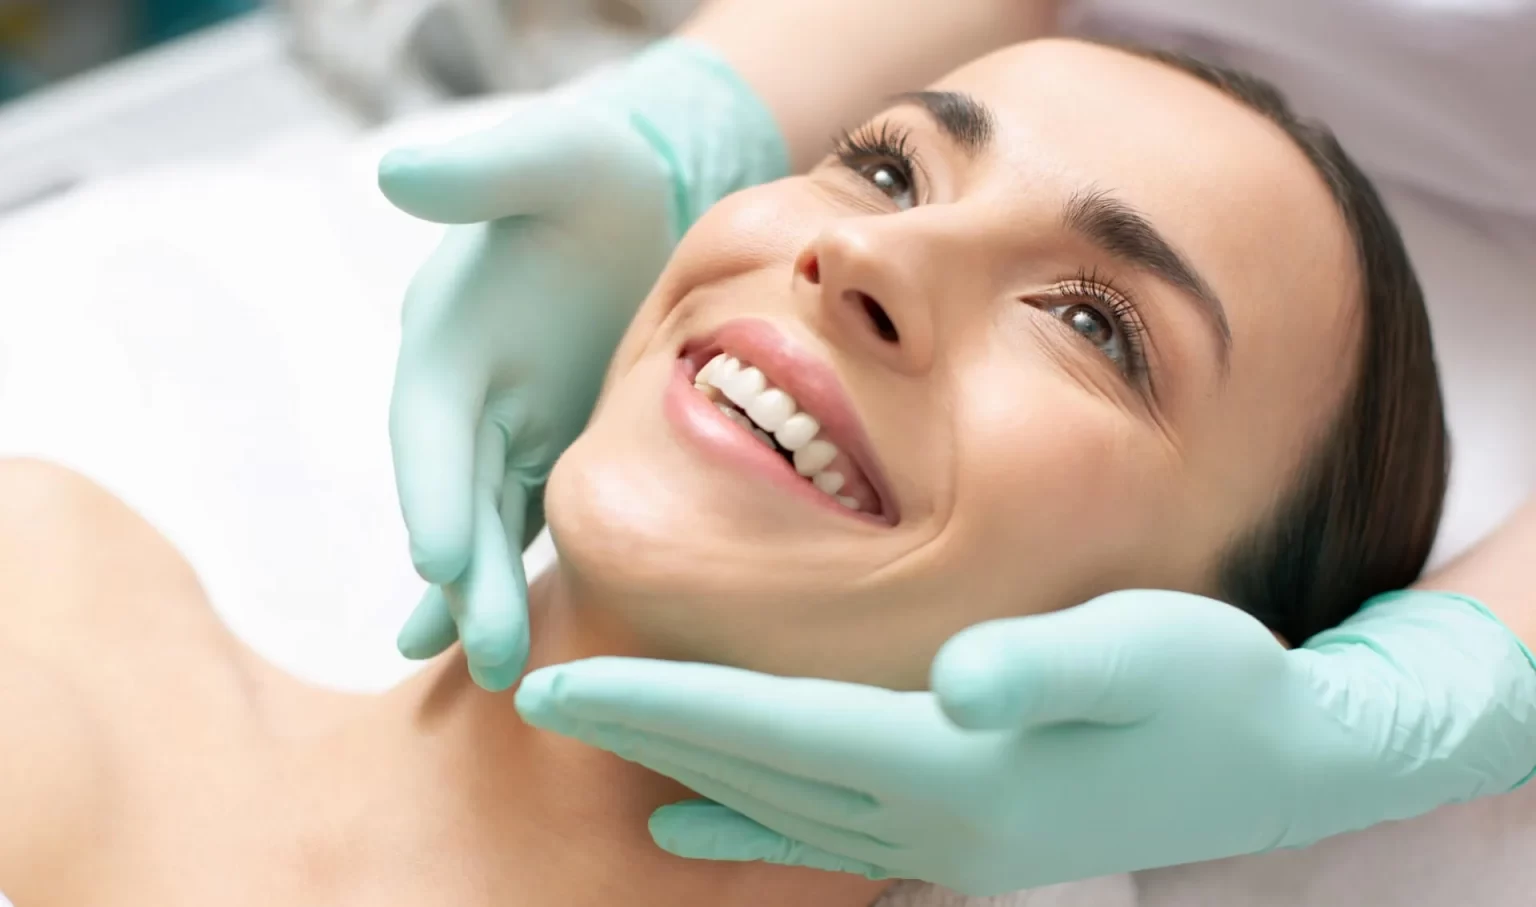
855 300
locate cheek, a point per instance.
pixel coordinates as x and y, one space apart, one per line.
747 231
760 228
1060 495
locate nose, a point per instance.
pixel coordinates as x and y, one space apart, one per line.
868 294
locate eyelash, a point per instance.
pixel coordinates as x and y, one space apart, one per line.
878 144
885 144
1100 292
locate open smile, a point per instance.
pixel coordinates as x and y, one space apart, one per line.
790 410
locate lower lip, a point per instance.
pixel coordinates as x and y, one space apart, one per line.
697 418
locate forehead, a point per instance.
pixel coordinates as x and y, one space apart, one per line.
1226 186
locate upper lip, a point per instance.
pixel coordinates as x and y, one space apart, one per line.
811 381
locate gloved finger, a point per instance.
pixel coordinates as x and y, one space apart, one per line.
533 517
501 676
849 844
430 628
512 169
493 617
701 830
841 734
1076 665
829 804
432 419
517 502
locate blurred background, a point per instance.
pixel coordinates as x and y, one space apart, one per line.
90 88
200 283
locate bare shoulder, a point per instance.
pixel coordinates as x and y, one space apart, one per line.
104 632
87 582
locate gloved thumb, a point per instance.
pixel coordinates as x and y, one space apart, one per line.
1076 665
516 168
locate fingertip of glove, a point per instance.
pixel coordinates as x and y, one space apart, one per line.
693 828
437 564
411 647
496 678
405 176
537 696
965 680
975 709
399 163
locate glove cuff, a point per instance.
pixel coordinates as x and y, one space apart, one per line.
1483 661
707 125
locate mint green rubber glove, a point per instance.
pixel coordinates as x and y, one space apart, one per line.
509 326
1141 729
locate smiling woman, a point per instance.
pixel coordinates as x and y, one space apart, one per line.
1073 321
1079 319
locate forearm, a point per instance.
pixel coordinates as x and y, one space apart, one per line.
821 65
1497 573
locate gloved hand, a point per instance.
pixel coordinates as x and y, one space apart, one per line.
509 326
1141 729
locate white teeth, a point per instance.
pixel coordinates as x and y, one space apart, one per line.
744 386
797 431
771 409
735 416
702 378
721 368
814 457
829 482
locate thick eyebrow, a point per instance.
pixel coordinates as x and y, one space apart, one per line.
1099 217
967 121
1120 231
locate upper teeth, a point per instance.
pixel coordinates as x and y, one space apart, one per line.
770 410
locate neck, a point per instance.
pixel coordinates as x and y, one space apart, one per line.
574 816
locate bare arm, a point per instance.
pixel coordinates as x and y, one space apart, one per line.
1497 572
821 65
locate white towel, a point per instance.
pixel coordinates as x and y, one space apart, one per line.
1110 891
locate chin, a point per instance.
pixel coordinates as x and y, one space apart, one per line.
701 560
694 573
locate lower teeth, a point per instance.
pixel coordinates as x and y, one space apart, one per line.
736 415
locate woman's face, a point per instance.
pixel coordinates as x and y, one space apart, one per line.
1069 322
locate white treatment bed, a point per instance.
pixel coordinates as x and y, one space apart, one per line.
215 342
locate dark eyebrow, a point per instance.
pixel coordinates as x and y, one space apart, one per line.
1120 231
967 121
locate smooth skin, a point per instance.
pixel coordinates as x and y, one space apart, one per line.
1481 692
147 757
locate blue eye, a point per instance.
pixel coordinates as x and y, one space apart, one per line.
1091 308
1095 327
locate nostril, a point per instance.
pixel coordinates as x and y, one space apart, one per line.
882 322
810 269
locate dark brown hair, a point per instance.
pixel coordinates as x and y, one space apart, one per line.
1363 512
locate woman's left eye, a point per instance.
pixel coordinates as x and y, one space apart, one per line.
1097 328
891 179
882 155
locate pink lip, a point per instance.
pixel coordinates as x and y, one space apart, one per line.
812 383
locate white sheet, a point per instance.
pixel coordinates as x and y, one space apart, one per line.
215 346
